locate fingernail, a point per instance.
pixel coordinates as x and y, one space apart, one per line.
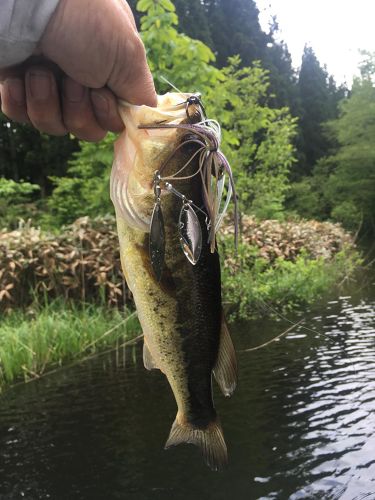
73 91
40 85
100 103
16 90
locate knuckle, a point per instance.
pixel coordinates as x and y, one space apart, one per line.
136 50
85 130
89 136
139 47
75 122
46 125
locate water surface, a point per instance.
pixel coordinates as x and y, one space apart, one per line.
301 424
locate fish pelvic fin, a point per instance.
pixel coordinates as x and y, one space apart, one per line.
148 360
210 441
225 369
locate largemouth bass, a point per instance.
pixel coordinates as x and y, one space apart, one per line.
180 311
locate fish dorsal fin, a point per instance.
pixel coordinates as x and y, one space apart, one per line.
225 370
148 359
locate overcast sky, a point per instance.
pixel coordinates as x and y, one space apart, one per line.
336 29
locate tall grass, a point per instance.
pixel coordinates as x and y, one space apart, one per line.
255 288
46 337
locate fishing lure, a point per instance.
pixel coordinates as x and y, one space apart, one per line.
212 167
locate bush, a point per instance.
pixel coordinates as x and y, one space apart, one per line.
282 266
80 264
285 264
15 201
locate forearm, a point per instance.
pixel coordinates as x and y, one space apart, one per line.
22 23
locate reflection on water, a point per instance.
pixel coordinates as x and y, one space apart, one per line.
301 425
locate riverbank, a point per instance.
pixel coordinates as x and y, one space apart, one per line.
81 263
43 338
283 266
77 275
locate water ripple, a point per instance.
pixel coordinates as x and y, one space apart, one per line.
301 425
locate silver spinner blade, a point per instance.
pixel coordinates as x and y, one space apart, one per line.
190 233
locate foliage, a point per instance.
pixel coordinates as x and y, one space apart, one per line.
306 197
255 288
343 184
319 97
257 138
48 335
16 191
188 41
235 29
82 263
282 266
27 154
15 198
351 185
85 191
172 55
288 239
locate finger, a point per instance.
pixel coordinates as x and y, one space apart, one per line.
43 102
129 12
79 117
133 82
106 110
13 99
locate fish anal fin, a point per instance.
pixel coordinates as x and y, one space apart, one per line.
225 370
148 360
210 441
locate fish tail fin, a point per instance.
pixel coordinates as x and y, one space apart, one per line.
210 440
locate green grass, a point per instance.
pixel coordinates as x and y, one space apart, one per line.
46 337
254 287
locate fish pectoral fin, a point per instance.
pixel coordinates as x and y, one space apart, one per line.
225 370
148 359
210 440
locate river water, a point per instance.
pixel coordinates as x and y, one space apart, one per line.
300 425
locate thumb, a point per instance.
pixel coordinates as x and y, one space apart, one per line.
131 78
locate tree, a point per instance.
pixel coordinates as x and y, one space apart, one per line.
235 30
319 98
26 154
342 186
193 20
351 185
256 138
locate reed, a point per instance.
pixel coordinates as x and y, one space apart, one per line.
47 336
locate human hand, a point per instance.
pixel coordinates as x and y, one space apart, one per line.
89 56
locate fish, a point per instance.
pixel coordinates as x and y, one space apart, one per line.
178 292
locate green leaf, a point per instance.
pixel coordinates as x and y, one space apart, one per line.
167 5
144 5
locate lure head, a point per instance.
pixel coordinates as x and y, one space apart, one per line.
140 152
194 102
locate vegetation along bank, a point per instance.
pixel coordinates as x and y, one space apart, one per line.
63 297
